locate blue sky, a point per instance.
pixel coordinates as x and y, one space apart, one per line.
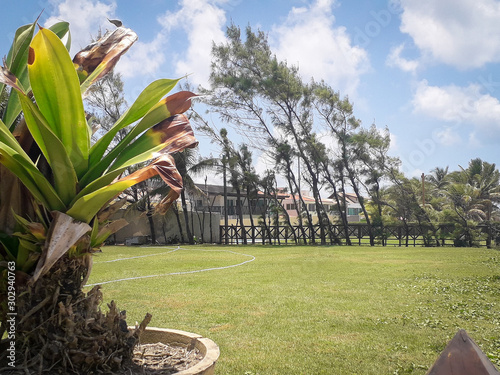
428 70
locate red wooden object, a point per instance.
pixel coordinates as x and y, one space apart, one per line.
462 356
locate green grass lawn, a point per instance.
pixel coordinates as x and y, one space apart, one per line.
314 310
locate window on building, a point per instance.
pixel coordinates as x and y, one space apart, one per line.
353 211
290 206
311 207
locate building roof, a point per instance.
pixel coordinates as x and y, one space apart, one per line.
309 199
349 196
231 192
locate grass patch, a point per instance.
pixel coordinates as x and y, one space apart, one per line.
312 309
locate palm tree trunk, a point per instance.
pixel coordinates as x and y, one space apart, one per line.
211 226
239 207
179 224
250 213
186 217
149 215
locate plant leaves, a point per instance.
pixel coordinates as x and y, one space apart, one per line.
106 231
147 100
64 232
65 179
169 136
87 206
109 211
31 177
57 92
8 78
97 59
174 104
16 63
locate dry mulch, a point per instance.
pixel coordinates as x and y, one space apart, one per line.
161 359
152 359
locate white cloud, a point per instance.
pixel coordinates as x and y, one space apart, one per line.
309 39
395 60
394 146
461 33
473 141
447 137
203 22
461 105
143 58
415 173
449 103
85 18
264 163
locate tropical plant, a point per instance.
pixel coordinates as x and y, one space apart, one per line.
465 210
190 164
485 177
70 187
439 179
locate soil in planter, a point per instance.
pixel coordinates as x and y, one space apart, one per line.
161 359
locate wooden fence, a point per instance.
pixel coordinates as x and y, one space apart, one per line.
359 234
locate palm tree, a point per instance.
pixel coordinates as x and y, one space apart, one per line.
480 184
190 164
249 180
144 197
466 209
486 178
69 185
438 178
403 197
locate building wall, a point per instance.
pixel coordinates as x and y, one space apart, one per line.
354 213
166 226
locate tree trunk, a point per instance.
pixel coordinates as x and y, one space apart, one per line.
186 217
379 209
239 207
250 213
289 223
211 227
179 224
323 219
361 203
201 224
63 329
149 215
341 206
290 179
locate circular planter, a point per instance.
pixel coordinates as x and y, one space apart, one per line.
207 347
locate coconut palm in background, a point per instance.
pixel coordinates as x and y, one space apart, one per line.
58 191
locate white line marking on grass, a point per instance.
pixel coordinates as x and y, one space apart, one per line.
176 273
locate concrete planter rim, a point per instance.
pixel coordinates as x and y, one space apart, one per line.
206 346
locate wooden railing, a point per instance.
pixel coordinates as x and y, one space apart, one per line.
359 234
